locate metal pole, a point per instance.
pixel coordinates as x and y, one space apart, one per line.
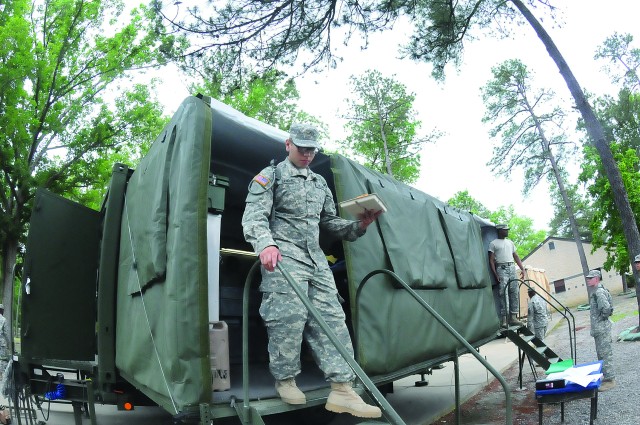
245 344
456 370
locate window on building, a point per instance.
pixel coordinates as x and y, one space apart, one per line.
552 245
559 286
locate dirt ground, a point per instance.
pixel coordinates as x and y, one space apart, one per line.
488 406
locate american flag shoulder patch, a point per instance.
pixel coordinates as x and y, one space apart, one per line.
261 180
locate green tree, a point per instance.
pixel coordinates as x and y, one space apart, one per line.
583 212
464 201
525 119
621 120
624 60
606 224
382 126
271 98
57 62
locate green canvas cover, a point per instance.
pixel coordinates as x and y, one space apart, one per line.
438 252
162 330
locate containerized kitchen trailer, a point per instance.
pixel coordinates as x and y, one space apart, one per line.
129 297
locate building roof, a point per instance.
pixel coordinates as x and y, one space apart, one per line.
552 238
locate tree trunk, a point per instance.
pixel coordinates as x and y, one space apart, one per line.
10 250
387 161
572 218
596 134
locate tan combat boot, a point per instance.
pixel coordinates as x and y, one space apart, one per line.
289 392
606 385
513 321
342 399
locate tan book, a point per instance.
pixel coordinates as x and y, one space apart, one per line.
357 205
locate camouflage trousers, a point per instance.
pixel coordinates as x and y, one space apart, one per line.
5 355
507 274
288 321
604 350
540 332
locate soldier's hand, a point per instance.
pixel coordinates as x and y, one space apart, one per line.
368 217
269 257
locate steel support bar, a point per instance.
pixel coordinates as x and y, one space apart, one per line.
456 371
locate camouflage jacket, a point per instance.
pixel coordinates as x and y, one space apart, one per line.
4 339
601 307
537 313
303 205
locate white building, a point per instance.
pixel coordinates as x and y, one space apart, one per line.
559 258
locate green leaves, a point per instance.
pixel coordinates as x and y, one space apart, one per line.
64 116
271 98
383 127
528 122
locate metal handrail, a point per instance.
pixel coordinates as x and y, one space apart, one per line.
448 327
571 325
246 405
387 410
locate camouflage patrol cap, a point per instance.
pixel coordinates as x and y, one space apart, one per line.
594 273
637 259
502 227
1 306
304 135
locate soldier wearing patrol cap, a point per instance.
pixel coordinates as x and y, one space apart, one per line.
286 207
600 309
502 256
5 351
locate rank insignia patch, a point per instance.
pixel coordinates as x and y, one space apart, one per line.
261 180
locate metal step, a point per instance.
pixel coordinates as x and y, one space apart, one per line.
536 349
542 349
527 338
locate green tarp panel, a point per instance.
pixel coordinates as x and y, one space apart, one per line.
465 240
58 308
434 267
415 240
162 330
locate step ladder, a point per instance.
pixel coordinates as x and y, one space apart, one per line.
533 347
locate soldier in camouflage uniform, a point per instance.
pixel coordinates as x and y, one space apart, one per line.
601 308
502 255
286 207
537 317
5 352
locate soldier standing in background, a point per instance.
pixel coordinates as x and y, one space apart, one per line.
5 350
502 256
537 317
601 308
285 209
